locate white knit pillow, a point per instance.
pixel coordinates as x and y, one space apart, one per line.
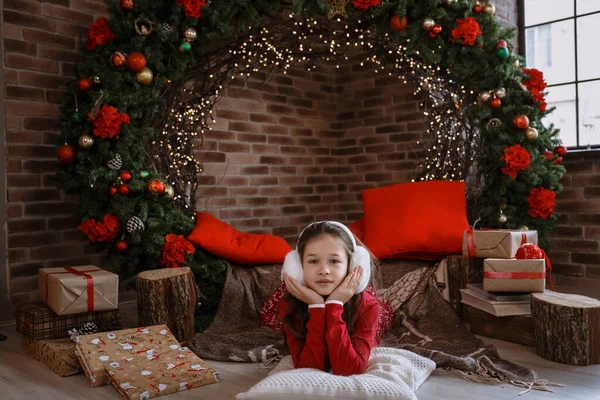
391 374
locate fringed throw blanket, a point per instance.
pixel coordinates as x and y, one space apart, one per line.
424 323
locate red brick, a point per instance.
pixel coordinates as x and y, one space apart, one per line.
48 38
49 208
87 6
587 206
575 244
593 271
14 211
65 14
55 96
56 251
23 180
585 258
42 80
26 6
68 29
10 76
59 54
23 284
252 138
12 31
29 20
17 256
31 108
234 147
22 151
42 124
24 93
32 239
568 269
25 270
26 195
18 46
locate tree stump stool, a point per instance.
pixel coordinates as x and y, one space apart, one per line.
566 328
168 296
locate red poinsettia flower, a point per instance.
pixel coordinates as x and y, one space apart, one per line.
516 159
192 8
541 203
536 85
365 4
175 251
98 33
101 231
466 29
107 122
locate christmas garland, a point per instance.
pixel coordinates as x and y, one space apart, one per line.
138 59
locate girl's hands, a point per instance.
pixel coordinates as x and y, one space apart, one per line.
301 292
348 287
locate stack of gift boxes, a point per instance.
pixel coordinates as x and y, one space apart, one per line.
141 363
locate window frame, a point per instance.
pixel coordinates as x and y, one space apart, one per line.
522 51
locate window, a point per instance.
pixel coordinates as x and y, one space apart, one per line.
560 40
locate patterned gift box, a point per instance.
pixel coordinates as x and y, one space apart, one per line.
73 290
496 243
175 371
500 275
118 349
37 321
58 355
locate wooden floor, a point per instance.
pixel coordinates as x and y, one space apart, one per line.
24 378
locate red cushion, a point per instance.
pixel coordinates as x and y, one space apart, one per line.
223 240
415 218
358 228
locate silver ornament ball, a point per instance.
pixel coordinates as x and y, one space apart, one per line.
86 141
502 219
428 23
190 34
500 93
484 97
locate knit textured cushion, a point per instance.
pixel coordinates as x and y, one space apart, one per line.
224 241
391 374
426 218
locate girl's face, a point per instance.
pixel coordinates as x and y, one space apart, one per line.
325 264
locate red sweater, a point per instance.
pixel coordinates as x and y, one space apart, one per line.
328 344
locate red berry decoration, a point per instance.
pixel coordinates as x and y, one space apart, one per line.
113 190
529 251
121 246
84 84
548 155
478 8
558 161
66 154
124 190
136 62
126 5
502 43
125 175
398 24
117 60
496 102
436 29
521 121
560 150
156 186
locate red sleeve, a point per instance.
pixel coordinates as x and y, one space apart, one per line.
312 353
349 355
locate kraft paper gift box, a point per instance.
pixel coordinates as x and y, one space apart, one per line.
501 275
73 290
496 243
175 371
58 355
127 346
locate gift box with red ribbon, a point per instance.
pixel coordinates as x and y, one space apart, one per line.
496 243
74 290
502 275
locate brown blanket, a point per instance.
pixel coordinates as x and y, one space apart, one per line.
424 323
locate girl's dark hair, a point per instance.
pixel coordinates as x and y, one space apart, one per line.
297 318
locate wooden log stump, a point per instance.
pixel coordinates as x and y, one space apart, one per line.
168 296
462 271
514 329
566 328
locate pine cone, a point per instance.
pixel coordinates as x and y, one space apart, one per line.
167 28
115 163
87 329
134 224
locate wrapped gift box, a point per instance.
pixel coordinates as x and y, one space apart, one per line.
496 243
58 355
37 321
500 275
175 371
128 346
74 290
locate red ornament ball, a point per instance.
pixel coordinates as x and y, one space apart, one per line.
125 175
502 43
126 5
117 60
121 246
432 35
113 190
436 29
84 84
136 62
156 186
521 121
560 150
496 102
478 8
124 190
558 161
548 155
398 24
66 154
529 251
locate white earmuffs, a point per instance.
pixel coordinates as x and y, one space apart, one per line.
292 265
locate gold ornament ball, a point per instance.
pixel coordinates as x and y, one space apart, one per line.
145 76
531 133
484 97
169 192
489 9
86 141
502 219
516 63
500 93
96 80
523 228
190 34
428 23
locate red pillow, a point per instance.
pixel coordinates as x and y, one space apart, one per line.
420 217
358 228
223 240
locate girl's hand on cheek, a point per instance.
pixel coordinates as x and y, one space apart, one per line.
348 287
301 292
